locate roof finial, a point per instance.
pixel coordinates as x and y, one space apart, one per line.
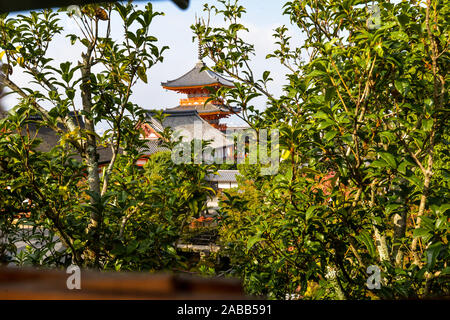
199 39
200 52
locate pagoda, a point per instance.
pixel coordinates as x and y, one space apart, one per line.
195 84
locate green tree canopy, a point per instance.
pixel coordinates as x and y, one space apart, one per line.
363 127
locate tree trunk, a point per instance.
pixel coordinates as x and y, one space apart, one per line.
423 200
331 276
399 232
91 157
380 239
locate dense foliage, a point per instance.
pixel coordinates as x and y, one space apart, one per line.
119 216
364 174
364 136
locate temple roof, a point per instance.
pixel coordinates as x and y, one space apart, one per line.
223 176
201 109
51 139
189 125
153 146
197 78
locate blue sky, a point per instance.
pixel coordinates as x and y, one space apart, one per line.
173 30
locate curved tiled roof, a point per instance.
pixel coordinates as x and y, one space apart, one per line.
189 125
223 176
50 138
197 77
153 146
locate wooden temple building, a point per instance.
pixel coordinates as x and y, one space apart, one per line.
196 84
195 117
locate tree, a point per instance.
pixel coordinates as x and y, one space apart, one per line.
362 125
115 217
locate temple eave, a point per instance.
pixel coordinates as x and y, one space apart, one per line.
186 89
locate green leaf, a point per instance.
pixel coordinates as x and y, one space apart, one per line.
403 166
403 19
65 66
427 124
325 124
330 135
70 93
85 42
431 253
399 35
253 240
171 250
443 208
329 94
73 38
415 180
390 137
266 76
365 239
379 49
392 207
142 74
389 158
316 73
132 246
420 232
321 115
441 223
402 86
380 163
310 212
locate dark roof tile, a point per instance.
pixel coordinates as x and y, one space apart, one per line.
184 122
197 77
223 176
49 138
